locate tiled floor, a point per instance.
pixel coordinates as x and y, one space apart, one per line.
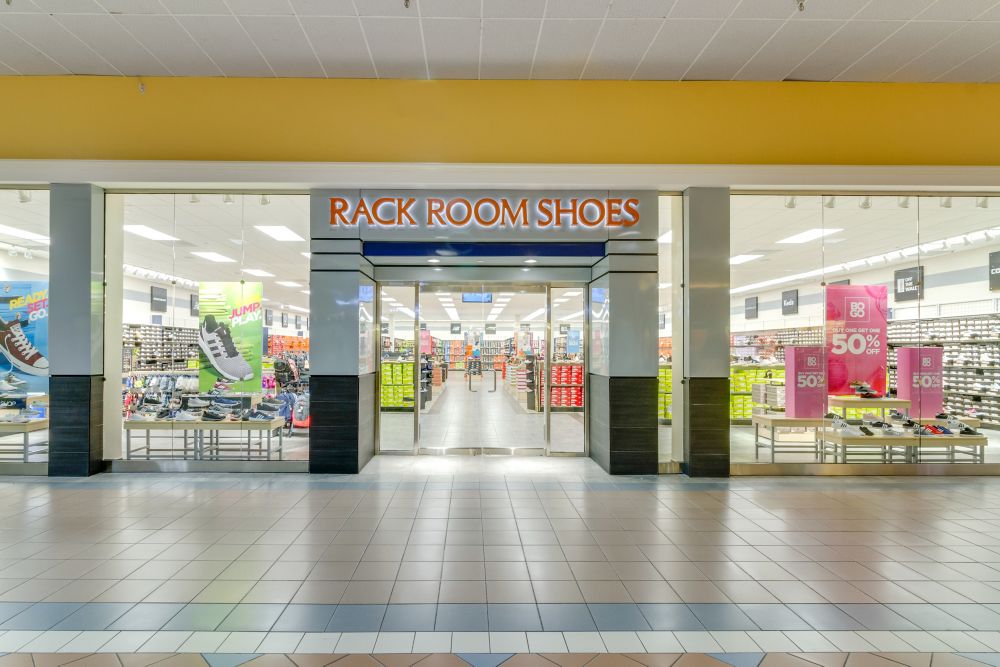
480 555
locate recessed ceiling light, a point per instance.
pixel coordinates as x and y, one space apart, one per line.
810 235
148 233
259 273
279 232
666 238
533 315
22 234
194 199
213 256
227 199
24 196
526 269
434 260
287 283
531 261
743 259
264 200
575 292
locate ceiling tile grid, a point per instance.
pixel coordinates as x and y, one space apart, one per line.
768 40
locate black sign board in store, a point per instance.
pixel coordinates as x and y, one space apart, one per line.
790 302
284 319
563 329
195 305
298 321
456 327
995 271
269 318
750 308
158 299
491 327
525 327
908 284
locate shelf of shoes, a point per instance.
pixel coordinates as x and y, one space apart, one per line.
153 347
277 345
397 386
971 350
665 391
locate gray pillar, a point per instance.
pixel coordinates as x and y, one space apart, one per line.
705 345
76 330
342 347
622 359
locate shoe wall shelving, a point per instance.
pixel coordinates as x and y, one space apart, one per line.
152 347
665 393
397 386
566 383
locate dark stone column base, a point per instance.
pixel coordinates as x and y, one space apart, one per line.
76 425
622 416
342 427
706 419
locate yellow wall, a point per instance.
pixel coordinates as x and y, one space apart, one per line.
500 121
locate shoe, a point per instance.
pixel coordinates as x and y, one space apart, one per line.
216 342
887 429
869 394
255 416
222 386
943 430
6 386
968 431
14 380
213 416
853 431
941 415
956 424
267 407
20 351
141 417
185 416
866 430
195 402
869 417
225 401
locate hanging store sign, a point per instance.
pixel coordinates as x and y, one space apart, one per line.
856 337
525 327
284 319
920 372
456 327
790 302
563 329
750 308
491 327
995 271
908 284
805 381
157 299
194 306
269 318
384 327
498 212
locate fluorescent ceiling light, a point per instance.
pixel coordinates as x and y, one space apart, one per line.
560 300
533 315
279 232
452 313
810 235
743 259
148 233
406 311
305 291
572 316
298 308
22 234
506 293
448 294
531 261
573 293
434 260
666 238
287 283
213 257
259 273
666 285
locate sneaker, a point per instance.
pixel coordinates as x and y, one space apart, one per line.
956 424
943 430
213 416
222 386
6 386
14 380
20 351
141 417
853 431
887 429
216 342
230 402
185 416
267 407
195 402
968 431
941 415
866 430
869 417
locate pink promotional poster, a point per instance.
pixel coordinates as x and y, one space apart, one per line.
426 346
856 337
805 382
920 373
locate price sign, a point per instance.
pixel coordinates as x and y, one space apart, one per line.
856 337
921 375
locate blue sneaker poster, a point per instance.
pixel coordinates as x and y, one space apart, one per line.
24 338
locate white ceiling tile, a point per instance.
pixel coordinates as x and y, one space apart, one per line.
703 9
452 48
896 10
991 14
984 66
66 6
44 32
260 7
514 9
450 9
786 49
396 47
563 48
385 8
620 45
285 47
968 41
640 9
676 46
164 37
323 7
957 10
106 36
825 9
340 46
736 42
133 6
576 9
843 49
508 46
768 9
197 7
227 43
911 40
19 56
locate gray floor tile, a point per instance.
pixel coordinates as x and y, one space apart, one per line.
774 617
199 616
146 616
305 618
977 616
877 617
357 618
928 617
251 618
94 616
566 618
40 616
11 609
513 618
409 618
722 617
618 617
461 618
670 617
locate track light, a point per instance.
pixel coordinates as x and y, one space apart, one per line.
903 202
982 202
28 254
264 200
865 203
830 202
24 196
194 199
945 202
12 251
790 201
227 199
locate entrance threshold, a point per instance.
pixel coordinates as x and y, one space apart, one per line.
483 451
862 469
167 465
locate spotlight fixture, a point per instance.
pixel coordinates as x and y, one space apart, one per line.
12 251
227 199
903 202
790 201
801 4
264 200
194 199
830 202
28 254
945 202
24 196
531 261
865 203
982 202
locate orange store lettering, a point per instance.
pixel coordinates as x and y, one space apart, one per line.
499 212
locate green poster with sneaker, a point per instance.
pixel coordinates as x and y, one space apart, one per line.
230 335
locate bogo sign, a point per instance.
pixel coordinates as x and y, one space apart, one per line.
920 380
856 337
805 382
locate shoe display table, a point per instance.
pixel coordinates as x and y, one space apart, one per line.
766 434
843 403
971 422
25 449
906 448
204 441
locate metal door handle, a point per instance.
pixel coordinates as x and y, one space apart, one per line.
494 381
